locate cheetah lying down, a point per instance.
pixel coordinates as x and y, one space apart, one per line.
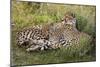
52 36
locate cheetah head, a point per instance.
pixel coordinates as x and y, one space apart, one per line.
69 19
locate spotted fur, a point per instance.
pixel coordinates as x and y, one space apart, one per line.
32 37
51 36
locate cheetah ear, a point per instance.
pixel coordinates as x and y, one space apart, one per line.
74 19
63 18
73 15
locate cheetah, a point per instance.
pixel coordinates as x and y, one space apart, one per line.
65 34
53 35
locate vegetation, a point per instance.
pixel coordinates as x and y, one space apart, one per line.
28 14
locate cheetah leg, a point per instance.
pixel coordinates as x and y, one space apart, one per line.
42 48
33 48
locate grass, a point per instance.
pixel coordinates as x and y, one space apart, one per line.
21 57
27 14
